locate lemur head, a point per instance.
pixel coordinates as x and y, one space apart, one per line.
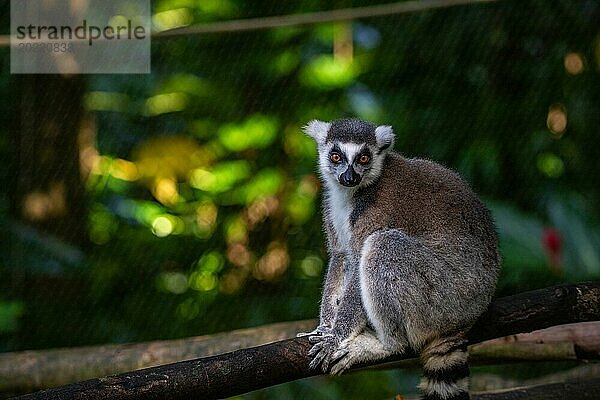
351 152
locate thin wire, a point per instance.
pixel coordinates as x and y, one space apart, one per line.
317 17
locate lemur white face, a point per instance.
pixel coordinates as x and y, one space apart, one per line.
346 162
351 152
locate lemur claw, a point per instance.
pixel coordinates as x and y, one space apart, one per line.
315 349
319 338
341 366
338 354
304 334
318 331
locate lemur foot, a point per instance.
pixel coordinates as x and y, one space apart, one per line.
334 357
345 357
359 349
323 348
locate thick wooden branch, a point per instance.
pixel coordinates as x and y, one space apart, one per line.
575 390
573 341
26 371
258 367
488 381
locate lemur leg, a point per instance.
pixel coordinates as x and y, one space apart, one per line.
383 311
403 286
362 348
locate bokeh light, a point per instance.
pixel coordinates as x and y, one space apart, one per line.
574 63
550 165
557 120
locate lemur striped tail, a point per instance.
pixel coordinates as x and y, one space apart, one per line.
445 370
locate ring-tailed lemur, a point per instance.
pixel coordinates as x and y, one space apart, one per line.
413 258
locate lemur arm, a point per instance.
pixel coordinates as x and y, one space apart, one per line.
350 317
332 287
350 320
334 279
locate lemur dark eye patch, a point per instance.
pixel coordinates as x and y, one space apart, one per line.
337 150
364 156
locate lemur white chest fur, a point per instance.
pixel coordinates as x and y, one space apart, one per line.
339 206
340 200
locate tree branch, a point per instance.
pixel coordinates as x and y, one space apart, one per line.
254 368
573 390
486 381
26 371
346 14
317 17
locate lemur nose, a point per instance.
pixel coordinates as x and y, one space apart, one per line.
350 177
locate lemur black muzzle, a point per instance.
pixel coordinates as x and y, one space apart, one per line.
350 177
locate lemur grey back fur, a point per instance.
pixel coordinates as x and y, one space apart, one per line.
413 258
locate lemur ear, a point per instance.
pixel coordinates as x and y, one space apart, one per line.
385 137
317 130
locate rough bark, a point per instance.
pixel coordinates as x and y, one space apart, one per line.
573 341
254 368
574 390
585 337
485 382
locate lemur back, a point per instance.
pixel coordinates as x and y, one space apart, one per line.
413 258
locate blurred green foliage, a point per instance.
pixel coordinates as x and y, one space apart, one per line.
204 204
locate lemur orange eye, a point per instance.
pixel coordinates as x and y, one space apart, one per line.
335 157
364 159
